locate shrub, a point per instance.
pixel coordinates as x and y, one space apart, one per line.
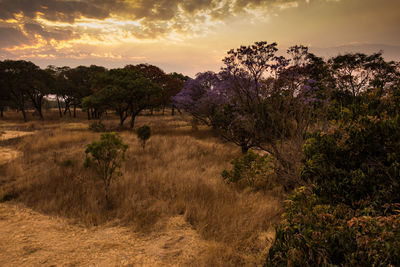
106 157
349 216
143 134
310 234
97 126
251 170
357 164
315 234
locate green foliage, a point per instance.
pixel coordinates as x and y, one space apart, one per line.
97 126
315 234
356 164
143 134
252 170
106 157
350 214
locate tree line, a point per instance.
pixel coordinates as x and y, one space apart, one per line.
95 89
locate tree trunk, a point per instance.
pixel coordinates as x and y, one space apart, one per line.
245 148
24 114
40 113
40 106
122 118
59 107
88 114
133 117
74 111
1 112
173 110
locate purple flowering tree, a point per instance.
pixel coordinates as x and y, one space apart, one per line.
258 99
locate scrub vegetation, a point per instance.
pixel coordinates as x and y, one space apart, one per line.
276 160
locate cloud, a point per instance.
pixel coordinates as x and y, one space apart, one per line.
50 33
54 10
12 37
57 26
60 20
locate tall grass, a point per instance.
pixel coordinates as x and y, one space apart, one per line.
179 173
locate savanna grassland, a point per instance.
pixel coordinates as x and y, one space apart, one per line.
172 191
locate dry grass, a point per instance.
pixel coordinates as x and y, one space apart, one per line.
179 173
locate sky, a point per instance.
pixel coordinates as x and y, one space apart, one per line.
189 36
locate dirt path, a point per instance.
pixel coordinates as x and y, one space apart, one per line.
28 238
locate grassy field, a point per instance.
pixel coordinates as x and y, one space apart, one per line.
179 174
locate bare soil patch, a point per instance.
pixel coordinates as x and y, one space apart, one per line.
28 238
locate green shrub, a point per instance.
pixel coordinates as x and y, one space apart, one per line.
251 170
357 164
143 134
310 234
315 234
105 157
97 126
349 215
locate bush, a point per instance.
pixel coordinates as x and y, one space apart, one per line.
143 134
349 215
252 170
315 234
97 126
357 164
310 234
105 157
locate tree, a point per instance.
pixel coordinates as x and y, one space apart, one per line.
4 93
143 134
126 91
356 72
106 157
25 82
80 82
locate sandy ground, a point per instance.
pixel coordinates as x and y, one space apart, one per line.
28 238
7 153
5 135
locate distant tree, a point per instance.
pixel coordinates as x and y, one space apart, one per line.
60 86
170 84
177 84
80 82
4 93
25 82
355 72
126 91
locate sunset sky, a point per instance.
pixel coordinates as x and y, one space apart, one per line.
189 36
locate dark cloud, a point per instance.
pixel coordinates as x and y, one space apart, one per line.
50 33
69 10
157 17
12 37
54 10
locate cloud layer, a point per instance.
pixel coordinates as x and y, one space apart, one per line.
26 20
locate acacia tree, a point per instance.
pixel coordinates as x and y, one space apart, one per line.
25 82
171 84
4 93
126 91
79 84
356 72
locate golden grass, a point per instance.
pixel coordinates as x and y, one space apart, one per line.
179 173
